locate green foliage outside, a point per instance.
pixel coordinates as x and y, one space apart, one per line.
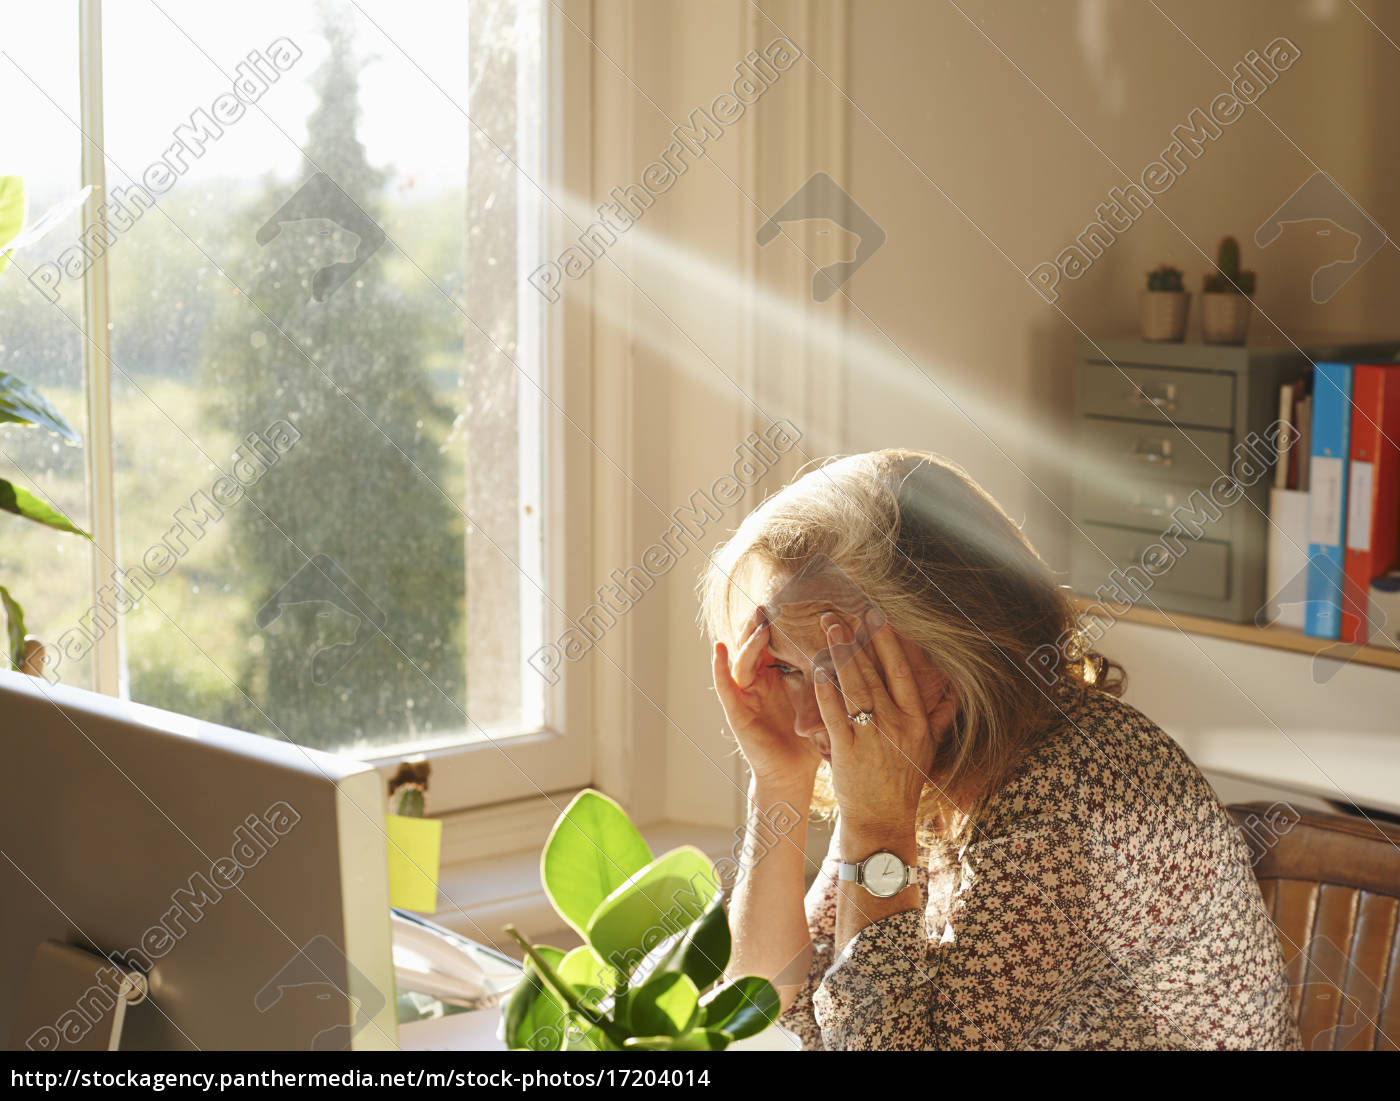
198 364
362 483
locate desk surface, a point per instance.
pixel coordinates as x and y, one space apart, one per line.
474 1031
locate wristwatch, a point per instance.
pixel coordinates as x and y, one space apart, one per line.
883 874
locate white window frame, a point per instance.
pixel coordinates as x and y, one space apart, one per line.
542 765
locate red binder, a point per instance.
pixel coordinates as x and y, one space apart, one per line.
1373 506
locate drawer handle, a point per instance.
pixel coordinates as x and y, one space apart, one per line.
1143 455
1154 558
1147 510
1164 404
1155 507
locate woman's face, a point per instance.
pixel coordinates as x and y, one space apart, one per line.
798 645
802 612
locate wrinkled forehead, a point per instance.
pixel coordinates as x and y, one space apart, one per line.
796 603
820 582
798 635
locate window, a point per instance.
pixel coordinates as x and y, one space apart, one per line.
50 574
323 369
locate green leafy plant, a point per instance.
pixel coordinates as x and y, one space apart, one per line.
649 975
1164 277
1227 277
21 404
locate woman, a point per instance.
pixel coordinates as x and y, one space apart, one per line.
1020 859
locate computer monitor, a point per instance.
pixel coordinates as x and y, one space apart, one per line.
244 877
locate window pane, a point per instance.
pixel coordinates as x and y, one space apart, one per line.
41 342
319 455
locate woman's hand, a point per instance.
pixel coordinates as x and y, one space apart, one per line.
760 713
879 770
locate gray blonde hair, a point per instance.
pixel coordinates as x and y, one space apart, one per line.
953 574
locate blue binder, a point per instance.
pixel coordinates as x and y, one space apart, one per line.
1327 498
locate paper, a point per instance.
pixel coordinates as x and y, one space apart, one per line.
1326 504
415 853
1359 507
1287 555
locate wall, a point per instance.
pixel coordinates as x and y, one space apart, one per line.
1024 117
1304 726
981 136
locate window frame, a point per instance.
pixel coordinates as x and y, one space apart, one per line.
508 765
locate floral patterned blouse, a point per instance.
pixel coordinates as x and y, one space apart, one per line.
1105 902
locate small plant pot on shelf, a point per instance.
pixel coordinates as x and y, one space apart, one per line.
1225 318
1164 314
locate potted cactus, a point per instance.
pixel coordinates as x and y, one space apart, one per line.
1165 304
1225 297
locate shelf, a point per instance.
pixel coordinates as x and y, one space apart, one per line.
1279 638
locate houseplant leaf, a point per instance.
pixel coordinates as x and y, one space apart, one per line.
534 1019
23 503
664 1005
20 403
545 963
41 226
701 1039
591 851
13 232
587 1038
653 904
702 951
14 627
587 974
11 214
742 1008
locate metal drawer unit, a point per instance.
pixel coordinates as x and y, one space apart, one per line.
1156 428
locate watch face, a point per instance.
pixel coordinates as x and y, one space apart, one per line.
884 875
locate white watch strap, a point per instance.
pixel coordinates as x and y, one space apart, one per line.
850 872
